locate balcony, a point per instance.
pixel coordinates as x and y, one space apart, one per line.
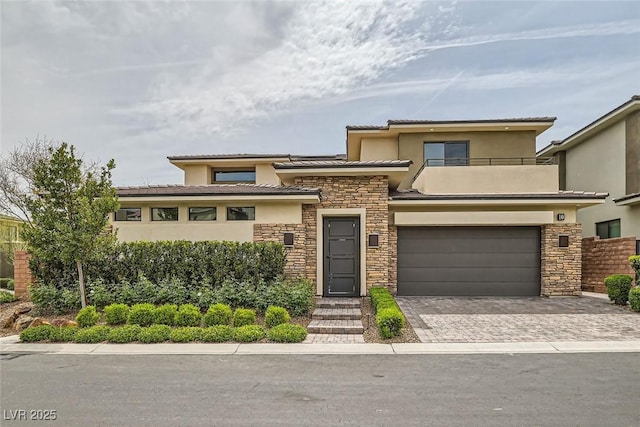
487 176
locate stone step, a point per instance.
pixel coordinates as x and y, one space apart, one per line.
336 314
335 327
336 302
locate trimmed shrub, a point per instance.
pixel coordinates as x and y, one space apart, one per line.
218 314
98 294
634 298
390 321
116 314
186 334
635 263
154 334
243 317
299 297
87 317
276 316
11 284
64 334
218 333
92 335
188 315
287 332
618 287
141 314
6 297
37 333
124 334
165 314
249 333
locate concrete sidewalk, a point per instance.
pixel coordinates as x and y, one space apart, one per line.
11 345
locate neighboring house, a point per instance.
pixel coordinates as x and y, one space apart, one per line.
605 156
9 242
422 207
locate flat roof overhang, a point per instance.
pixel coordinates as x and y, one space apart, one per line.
628 200
308 198
395 174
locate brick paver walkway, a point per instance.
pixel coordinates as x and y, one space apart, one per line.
440 319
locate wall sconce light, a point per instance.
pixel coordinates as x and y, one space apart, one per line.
560 217
374 240
288 239
563 241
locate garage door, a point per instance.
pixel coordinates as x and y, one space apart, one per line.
469 261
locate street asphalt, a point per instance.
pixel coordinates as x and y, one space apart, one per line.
591 389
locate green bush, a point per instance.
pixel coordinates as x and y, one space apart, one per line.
6 297
92 335
11 284
218 314
64 334
390 321
99 295
37 333
634 298
287 332
618 287
87 317
154 334
635 263
49 299
124 334
141 314
243 317
188 315
249 333
276 316
4 282
116 314
186 334
165 314
218 333
299 297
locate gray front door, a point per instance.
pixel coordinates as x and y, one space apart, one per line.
341 256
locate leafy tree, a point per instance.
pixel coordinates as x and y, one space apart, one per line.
69 210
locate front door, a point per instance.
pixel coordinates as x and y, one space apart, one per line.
341 256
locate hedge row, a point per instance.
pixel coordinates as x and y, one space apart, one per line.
191 263
389 317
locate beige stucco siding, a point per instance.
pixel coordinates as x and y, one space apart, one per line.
201 174
379 149
487 215
503 144
197 175
266 174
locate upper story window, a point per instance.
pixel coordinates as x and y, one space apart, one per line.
230 176
164 214
128 214
202 214
241 214
446 153
608 229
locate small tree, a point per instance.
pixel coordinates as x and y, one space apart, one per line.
69 210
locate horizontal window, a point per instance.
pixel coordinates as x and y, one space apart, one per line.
164 214
450 153
234 175
608 229
241 214
202 214
128 214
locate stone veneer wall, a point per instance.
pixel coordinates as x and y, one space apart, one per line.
393 259
369 192
561 267
601 258
296 257
22 273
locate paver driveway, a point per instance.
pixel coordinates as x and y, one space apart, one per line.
459 319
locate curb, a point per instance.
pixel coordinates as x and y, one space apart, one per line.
11 345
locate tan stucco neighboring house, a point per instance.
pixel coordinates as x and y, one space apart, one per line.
422 207
10 241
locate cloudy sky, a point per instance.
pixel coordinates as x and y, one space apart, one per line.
140 80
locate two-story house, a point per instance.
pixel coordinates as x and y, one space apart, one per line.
10 242
422 207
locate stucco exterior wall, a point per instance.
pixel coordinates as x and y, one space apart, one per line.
197 175
632 149
379 149
200 174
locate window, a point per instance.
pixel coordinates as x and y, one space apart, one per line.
241 214
234 175
450 153
164 214
202 214
128 214
608 229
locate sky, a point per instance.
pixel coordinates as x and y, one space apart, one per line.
138 81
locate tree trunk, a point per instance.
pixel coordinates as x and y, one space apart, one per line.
83 294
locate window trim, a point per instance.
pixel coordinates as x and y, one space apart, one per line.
215 208
241 207
245 169
151 209
608 224
115 216
461 141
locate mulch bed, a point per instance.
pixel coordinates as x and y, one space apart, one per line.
372 333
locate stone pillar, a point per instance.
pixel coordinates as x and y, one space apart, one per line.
296 255
602 258
21 273
561 267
